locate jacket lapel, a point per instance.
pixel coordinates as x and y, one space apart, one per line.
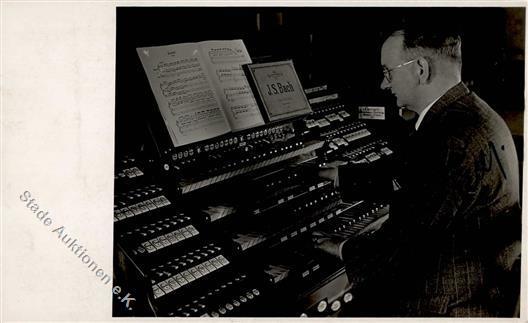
452 95
415 149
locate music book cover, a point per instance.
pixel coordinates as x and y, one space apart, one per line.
278 90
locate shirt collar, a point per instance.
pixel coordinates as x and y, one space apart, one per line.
424 112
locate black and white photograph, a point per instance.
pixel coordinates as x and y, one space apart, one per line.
268 160
319 161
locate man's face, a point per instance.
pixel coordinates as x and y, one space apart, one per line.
402 83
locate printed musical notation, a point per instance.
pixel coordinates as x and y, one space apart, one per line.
201 89
227 55
184 85
233 94
177 67
239 110
231 75
230 82
190 120
185 97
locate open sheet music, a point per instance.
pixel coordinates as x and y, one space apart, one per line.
201 89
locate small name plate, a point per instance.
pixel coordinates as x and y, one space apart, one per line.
371 113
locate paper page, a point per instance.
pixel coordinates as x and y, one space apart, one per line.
184 93
224 59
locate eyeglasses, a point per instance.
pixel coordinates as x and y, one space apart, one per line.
387 71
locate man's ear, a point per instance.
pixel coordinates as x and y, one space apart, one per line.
423 70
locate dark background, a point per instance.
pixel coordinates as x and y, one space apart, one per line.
335 45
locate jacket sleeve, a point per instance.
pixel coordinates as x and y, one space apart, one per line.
440 191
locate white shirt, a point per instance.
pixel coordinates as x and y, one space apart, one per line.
422 115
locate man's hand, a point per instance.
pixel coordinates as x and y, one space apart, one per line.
328 244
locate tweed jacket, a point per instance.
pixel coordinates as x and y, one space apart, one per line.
459 206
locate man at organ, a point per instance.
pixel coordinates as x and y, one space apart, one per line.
454 229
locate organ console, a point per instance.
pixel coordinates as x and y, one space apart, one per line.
223 227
